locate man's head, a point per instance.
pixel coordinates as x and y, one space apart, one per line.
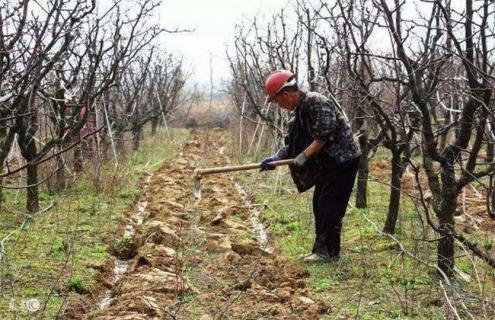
281 87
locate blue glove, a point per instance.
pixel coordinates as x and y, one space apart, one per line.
265 164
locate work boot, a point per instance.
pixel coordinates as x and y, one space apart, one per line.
304 256
318 258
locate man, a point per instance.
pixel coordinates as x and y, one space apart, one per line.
326 156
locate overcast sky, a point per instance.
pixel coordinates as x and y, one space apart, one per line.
213 21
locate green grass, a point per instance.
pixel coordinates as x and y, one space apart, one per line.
58 253
373 279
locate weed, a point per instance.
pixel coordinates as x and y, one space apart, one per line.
188 297
123 242
76 285
395 314
323 284
125 193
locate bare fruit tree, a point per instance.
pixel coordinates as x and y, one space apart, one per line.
62 63
450 38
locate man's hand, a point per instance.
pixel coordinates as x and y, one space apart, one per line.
301 160
265 164
311 151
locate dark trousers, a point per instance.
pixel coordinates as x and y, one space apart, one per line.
330 198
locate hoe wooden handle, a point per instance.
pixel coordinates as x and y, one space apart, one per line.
202 172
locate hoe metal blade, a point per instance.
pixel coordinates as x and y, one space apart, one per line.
197 185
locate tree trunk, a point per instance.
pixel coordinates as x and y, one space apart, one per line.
154 125
27 145
61 126
28 151
6 139
78 159
309 46
492 204
120 145
394 200
1 188
32 200
60 178
445 248
136 138
445 215
362 176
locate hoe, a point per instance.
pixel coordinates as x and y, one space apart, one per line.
199 173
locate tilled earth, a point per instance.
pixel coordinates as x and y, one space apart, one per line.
189 259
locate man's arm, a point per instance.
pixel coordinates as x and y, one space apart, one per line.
314 148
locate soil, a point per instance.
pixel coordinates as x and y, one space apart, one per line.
190 259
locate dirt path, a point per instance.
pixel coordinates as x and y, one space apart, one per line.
183 259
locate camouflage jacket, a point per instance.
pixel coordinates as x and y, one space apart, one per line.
317 117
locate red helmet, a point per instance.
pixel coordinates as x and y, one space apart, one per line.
276 81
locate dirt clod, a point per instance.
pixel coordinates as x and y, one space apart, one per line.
248 249
159 233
